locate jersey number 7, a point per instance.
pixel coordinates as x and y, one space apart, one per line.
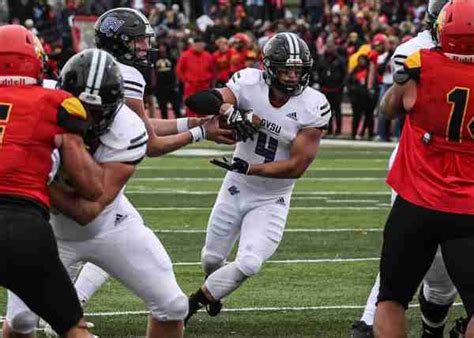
5 109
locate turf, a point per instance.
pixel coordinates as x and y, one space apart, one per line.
337 212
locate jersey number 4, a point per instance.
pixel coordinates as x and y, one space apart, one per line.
266 147
458 97
5 109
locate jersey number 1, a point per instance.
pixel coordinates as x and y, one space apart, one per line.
459 98
5 109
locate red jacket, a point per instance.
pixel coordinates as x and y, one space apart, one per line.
222 64
194 68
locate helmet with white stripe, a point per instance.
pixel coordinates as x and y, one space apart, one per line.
282 52
94 77
126 34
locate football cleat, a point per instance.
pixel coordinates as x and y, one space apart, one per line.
214 308
194 306
459 328
49 332
361 330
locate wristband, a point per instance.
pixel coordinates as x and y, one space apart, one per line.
182 125
198 133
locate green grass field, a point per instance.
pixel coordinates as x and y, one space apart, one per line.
317 282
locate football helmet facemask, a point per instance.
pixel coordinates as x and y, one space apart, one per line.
94 77
287 63
432 12
127 34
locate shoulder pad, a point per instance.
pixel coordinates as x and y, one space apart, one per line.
71 115
247 76
317 109
411 69
127 131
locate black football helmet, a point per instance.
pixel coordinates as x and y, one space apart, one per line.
94 77
286 50
432 12
118 30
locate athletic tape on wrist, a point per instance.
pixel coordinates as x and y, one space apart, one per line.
198 133
182 124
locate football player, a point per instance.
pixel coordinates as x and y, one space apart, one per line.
431 172
33 122
126 34
113 235
438 292
254 199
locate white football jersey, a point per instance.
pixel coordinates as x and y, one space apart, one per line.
124 142
279 127
133 81
423 40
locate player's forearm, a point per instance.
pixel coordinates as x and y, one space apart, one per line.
84 174
73 206
172 127
392 104
279 169
158 146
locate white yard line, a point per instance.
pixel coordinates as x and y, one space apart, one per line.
300 261
296 230
213 192
209 168
351 201
245 309
219 179
292 208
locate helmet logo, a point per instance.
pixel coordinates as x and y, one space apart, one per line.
111 25
294 62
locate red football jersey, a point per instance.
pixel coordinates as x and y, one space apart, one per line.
30 117
434 166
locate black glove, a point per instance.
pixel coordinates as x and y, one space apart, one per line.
238 165
241 122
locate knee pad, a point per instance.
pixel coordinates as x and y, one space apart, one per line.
24 322
174 310
211 262
249 264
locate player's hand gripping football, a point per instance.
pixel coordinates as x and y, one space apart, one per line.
242 122
217 134
237 165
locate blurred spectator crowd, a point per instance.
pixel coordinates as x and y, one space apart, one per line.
203 42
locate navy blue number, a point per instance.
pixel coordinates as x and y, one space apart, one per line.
266 147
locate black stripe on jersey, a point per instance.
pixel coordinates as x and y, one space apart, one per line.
326 112
134 83
324 106
134 90
134 146
399 56
400 63
138 138
135 162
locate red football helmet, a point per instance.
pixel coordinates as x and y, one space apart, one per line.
455 29
21 56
